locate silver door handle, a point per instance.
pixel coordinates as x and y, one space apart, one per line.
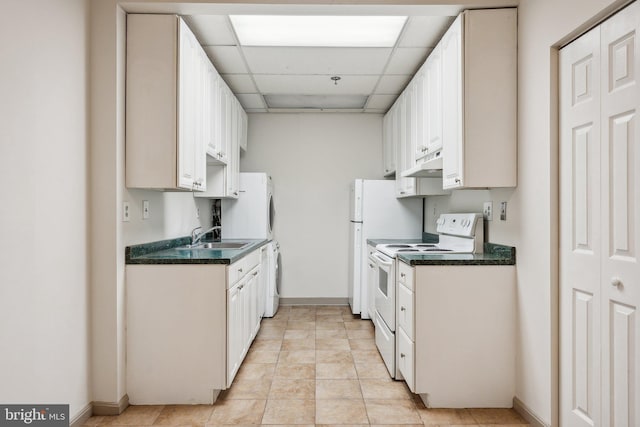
402 308
402 355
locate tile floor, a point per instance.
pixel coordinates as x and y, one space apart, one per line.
312 365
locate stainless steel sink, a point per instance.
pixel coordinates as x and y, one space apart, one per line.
215 245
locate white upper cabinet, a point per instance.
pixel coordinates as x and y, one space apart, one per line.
165 130
181 115
479 58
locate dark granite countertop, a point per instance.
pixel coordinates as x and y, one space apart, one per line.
165 252
493 255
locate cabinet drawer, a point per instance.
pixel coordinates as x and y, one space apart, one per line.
406 359
237 270
405 310
252 260
405 275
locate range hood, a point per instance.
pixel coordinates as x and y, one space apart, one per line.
431 168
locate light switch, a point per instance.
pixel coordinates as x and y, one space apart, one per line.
503 211
126 212
145 209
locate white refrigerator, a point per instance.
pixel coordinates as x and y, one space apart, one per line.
376 213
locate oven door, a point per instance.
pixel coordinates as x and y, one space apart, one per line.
385 299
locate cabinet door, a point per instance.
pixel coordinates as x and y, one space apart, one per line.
187 106
244 128
224 118
201 81
405 310
388 149
406 353
452 108
419 103
234 334
620 214
246 315
433 100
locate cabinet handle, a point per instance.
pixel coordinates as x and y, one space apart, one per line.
403 192
457 180
255 274
239 270
402 355
616 282
402 308
402 275
240 287
371 265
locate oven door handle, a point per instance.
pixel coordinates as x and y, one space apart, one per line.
383 261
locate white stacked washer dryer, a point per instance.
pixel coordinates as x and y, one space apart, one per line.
251 216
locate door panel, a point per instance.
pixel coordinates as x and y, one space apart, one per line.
580 237
620 276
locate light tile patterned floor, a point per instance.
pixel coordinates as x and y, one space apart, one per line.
313 365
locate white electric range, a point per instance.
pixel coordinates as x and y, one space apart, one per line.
459 234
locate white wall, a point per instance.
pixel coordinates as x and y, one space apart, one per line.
532 222
312 159
44 288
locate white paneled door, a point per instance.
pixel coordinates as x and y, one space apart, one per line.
600 225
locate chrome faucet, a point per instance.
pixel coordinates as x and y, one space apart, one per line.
195 236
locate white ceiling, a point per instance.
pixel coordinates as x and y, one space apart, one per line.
378 73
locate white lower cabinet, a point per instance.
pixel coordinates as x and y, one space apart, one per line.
189 327
242 305
456 325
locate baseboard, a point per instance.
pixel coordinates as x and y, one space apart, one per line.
111 408
82 417
528 414
314 301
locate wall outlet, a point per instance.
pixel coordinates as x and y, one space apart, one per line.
126 212
503 211
487 211
145 209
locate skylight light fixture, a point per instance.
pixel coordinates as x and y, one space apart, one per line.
317 31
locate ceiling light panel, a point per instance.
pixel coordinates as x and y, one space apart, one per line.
317 31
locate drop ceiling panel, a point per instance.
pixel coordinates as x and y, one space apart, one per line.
250 101
316 60
211 29
314 85
240 83
407 60
226 59
381 102
392 84
425 31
